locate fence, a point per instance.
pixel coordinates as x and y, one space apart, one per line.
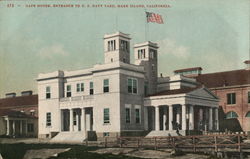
214 142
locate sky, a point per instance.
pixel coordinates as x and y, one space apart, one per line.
210 34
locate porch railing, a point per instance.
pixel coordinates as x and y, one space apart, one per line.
76 98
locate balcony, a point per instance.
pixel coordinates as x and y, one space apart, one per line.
77 101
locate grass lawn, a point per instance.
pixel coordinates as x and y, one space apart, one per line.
17 151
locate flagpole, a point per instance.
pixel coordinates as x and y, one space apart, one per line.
146 25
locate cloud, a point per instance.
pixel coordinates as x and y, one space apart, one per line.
53 50
168 46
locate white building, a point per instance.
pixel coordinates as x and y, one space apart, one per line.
118 98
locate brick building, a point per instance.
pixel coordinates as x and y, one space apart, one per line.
233 89
19 115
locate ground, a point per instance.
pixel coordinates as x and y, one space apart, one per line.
41 149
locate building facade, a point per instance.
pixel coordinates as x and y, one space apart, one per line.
233 89
118 98
18 115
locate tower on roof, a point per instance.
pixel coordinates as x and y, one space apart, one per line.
117 47
146 55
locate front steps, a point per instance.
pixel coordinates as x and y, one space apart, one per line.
166 133
69 137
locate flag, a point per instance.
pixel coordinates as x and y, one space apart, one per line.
154 18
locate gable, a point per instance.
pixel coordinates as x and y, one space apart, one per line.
203 92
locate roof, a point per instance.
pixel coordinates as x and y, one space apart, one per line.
175 91
15 114
19 101
229 78
188 69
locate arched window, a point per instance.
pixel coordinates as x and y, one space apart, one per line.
248 114
231 115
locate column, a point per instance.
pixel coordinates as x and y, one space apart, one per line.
164 118
8 126
25 127
146 118
210 118
14 127
71 120
191 117
21 127
83 120
183 118
178 115
216 119
170 117
157 122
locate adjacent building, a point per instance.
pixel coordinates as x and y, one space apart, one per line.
119 98
18 115
233 90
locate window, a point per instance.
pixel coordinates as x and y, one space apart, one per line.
153 53
231 115
141 54
68 93
91 88
30 127
124 45
106 116
48 93
248 114
137 115
79 87
105 134
74 118
145 88
248 97
132 86
106 85
231 98
48 119
111 45
127 110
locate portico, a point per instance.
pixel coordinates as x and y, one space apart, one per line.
76 119
183 112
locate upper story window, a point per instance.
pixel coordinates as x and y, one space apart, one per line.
124 45
141 54
68 93
48 92
106 118
248 114
106 85
231 115
152 53
91 88
79 87
231 98
132 85
145 88
48 119
248 97
111 45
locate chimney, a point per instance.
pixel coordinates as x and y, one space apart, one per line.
26 93
247 62
10 95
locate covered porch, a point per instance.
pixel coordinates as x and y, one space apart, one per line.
182 113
